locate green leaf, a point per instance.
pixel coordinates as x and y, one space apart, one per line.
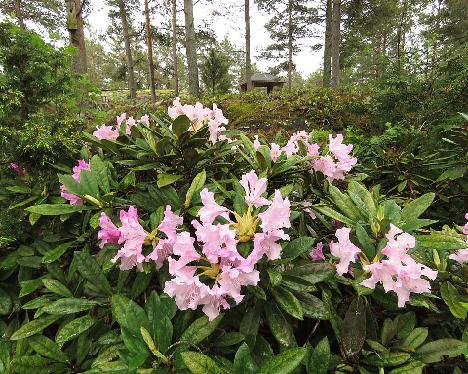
319 359
199 363
312 272
386 359
200 329
438 240
57 209
404 324
353 330
288 302
118 305
92 272
416 337
344 203
228 339
388 331
47 348
297 247
414 367
283 363
417 207
365 241
180 125
243 363
329 212
56 253
453 300
279 325
74 328
33 327
436 351
274 276
68 306
250 321
57 287
312 306
163 333
6 304
167 179
99 170
196 185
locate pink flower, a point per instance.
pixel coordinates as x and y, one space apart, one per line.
211 209
73 199
254 187
164 247
256 142
145 120
277 215
82 165
132 236
176 109
266 244
120 119
275 152
108 233
317 253
344 249
19 170
399 272
106 132
219 241
313 150
187 293
213 300
129 124
290 148
326 165
460 256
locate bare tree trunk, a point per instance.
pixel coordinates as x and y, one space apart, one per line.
75 27
327 46
248 67
401 34
19 14
290 46
174 46
191 49
336 20
149 45
128 50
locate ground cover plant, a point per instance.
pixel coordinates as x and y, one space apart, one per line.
176 245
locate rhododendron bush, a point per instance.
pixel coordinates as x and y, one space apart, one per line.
177 245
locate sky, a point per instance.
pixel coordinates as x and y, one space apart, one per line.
231 25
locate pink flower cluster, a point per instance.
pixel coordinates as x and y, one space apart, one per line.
132 237
73 199
338 162
399 272
215 273
112 133
344 249
199 116
333 165
461 255
21 171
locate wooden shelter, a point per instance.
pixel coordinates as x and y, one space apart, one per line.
268 81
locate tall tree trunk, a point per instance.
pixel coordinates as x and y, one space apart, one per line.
149 45
174 46
327 46
290 44
248 67
401 34
75 27
336 37
128 50
19 14
191 49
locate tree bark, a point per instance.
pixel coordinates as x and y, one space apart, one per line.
327 46
174 46
191 49
149 45
19 14
248 67
128 50
290 44
77 40
336 37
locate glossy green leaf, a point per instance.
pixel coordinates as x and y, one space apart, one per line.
319 359
74 328
33 327
283 363
199 363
